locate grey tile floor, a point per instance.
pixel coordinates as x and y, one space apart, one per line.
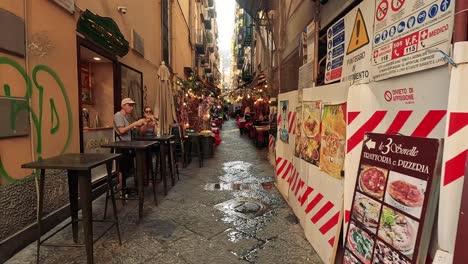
225 212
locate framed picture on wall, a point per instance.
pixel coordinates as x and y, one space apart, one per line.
132 86
86 93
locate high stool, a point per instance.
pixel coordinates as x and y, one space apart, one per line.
173 167
195 148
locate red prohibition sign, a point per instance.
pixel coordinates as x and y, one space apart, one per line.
382 10
397 4
388 96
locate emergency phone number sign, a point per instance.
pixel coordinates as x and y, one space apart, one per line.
409 37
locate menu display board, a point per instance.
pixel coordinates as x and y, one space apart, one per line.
394 201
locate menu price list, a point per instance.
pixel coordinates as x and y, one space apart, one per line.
394 200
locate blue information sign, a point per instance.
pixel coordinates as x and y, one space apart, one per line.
433 10
421 17
338 62
339 50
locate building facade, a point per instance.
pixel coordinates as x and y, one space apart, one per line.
65 66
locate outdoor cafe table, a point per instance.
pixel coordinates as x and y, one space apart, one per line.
140 148
164 143
261 131
78 166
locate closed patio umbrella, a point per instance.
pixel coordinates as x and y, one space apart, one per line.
164 105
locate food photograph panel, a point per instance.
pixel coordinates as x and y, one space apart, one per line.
311 123
372 180
298 133
383 254
333 140
405 193
360 243
398 230
366 211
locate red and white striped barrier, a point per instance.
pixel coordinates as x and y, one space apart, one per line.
455 151
292 122
371 108
314 204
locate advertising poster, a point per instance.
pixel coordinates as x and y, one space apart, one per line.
333 139
298 132
349 46
311 121
410 36
395 200
284 125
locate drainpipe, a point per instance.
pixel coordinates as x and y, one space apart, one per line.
461 21
26 66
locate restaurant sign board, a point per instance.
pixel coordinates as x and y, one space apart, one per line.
394 201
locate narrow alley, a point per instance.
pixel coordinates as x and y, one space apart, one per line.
229 211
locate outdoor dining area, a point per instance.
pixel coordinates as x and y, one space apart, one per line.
150 160
256 127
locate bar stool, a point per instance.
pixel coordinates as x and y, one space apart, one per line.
179 140
195 148
173 167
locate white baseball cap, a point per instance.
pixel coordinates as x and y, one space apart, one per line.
127 101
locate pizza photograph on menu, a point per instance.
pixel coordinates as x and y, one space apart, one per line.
360 243
366 211
349 258
333 140
405 193
372 180
385 255
398 230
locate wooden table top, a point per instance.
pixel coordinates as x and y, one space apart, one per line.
135 144
72 161
154 138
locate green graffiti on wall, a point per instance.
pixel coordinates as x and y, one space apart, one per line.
37 117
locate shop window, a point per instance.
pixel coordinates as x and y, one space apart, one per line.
165 29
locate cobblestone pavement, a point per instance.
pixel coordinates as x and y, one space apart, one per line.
228 211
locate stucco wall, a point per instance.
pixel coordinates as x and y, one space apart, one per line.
181 48
51 65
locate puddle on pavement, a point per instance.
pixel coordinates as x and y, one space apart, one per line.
237 186
241 172
243 207
253 207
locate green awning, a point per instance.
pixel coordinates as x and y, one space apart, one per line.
253 6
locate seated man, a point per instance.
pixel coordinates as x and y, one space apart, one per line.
123 130
122 127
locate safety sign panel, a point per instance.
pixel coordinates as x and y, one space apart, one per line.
410 36
349 50
335 55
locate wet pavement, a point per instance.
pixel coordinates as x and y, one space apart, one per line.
228 211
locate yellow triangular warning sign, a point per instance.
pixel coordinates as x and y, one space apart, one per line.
359 37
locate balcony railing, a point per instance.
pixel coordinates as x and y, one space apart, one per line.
247 36
207 23
200 41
